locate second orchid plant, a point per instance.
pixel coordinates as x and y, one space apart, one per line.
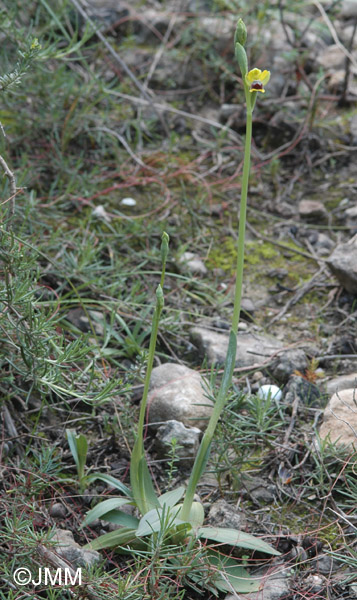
176 512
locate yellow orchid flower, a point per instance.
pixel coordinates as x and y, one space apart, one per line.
257 79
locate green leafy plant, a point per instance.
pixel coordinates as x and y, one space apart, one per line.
164 518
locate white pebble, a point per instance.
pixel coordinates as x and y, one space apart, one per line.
128 202
272 391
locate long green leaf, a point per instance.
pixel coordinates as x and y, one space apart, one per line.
120 537
121 518
110 480
231 575
71 438
233 537
171 498
104 507
141 483
156 519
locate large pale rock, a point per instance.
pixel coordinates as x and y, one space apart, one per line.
177 393
251 348
68 549
348 8
340 418
187 440
344 382
343 264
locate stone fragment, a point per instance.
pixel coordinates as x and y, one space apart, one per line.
151 24
252 348
68 549
348 9
344 382
219 29
107 13
100 213
178 393
343 264
247 307
287 362
193 263
351 213
187 438
313 211
331 58
222 514
307 392
258 490
58 511
275 585
340 418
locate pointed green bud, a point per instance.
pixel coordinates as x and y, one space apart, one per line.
159 297
164 246
242 60
240 35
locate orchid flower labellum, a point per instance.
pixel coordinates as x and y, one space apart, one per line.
257 79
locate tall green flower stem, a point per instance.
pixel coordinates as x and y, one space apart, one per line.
141 483
253 82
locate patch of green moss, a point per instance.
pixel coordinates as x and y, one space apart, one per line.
223 257
256 252
294 517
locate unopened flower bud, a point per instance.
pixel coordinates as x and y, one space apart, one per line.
159 297
164 246
240 35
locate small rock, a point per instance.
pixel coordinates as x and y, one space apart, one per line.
107 12
251 348
247 307
188 439
313 211
152 24
269 391
325 564
219 29
177 393
314 583
58 511
340 418
101 213
222 514
308 393
192 263
320 241
79 318
331 58
287 362
128 202
343 264
71 551
259 490
275 585
348 9
351 213
344 382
